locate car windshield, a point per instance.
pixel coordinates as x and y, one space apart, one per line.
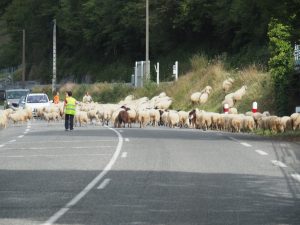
15 94
37 99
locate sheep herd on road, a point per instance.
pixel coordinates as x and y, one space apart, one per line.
156 112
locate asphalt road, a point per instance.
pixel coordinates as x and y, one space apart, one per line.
97 175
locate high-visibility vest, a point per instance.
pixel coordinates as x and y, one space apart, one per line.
70 106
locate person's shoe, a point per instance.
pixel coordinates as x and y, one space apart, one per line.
66 130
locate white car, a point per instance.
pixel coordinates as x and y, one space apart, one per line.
36 101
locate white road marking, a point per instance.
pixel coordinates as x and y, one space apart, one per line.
20 136
232 138
91 185
124 154
127 139
27 130
2 146
296 176
278 163
28 127
246 144
261 152
11 141
104 184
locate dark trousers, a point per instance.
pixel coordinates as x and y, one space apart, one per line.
69 121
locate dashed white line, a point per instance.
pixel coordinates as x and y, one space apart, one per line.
2 146
124 155
127 139
27 130
20 136
261 152
11 141
246 144
278 163
104 184
296 176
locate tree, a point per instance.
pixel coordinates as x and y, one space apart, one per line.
281 62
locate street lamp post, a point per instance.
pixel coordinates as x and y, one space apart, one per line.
54 57
147 42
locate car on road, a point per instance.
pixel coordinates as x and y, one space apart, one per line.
13 96
36 101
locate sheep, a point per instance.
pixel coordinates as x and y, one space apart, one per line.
201 97
295 120
232 111
173 118
237 96
227 84
248 123
163 104
183 118
195 97
286 121
81 117
154 117
143 117
123 117
237 123
3 120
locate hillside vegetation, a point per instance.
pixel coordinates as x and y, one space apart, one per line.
203 72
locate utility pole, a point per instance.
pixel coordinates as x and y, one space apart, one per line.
23 61
54 57
147 42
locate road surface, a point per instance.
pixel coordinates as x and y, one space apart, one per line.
152 176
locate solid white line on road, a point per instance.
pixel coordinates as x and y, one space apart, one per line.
127 139
246 144
20 136
124 154
91 185
11 141
296 176
104 184
261 152
278 163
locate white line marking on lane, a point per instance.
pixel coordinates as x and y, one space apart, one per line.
296 176
20 136
27 130
2 146
127 139
11 141
124 155
246 144
103 184
278 163
261 152
91 185
232 138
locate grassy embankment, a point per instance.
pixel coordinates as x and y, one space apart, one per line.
202 72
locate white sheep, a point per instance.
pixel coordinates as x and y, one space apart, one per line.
227 84
173 118
237 96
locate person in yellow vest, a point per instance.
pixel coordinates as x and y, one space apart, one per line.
70 110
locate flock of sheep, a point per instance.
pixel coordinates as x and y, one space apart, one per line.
156 112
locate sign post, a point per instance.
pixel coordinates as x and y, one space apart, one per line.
157 72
